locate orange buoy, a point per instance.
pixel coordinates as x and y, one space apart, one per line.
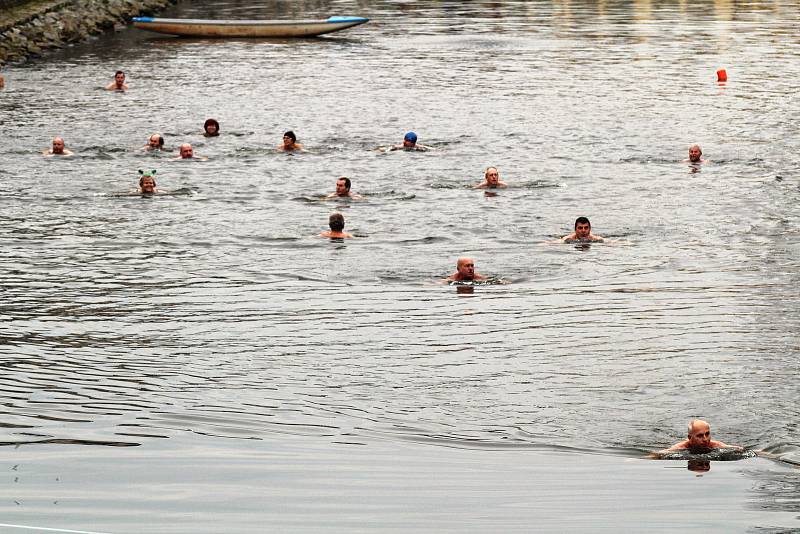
722 76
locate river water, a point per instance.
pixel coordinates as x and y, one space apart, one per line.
201 362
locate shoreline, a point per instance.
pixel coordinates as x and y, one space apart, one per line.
31 28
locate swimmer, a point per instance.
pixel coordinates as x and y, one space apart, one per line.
410 143
582 233
187 152
290 143
58 149
491 180
465 271
119 82
336 222
211 128
154 142
695 155
2 81
343 190
147 183
699 438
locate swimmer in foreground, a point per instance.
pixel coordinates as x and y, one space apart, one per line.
410 143
491 180
290 143
583 232
343 190
698 439
58 149
465 271
119 82
211 128
147 183
695 155
336 222
154 142
187 152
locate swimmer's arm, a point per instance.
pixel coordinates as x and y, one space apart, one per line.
356 196
481 185
681 445
68 152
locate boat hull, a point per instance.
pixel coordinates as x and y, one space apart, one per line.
246 28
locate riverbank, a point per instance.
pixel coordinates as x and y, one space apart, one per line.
33 27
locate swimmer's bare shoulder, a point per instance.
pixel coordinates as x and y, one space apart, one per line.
49 153
335 235
572 238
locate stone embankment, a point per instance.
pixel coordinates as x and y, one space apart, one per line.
29 27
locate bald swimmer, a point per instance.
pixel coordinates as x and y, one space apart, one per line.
699 438
58 148
187 152
465 271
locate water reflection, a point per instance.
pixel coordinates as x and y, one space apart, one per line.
698 466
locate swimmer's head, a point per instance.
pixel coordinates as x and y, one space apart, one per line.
211 126
336 222
695 153
147 181
187 151
343 186
583 228
410 139
492 175
155 141
58 145
466 268
699 434
119 78
289 138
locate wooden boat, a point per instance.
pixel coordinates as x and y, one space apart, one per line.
246 28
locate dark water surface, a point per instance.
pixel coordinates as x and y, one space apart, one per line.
200 362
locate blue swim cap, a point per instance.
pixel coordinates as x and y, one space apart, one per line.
410 136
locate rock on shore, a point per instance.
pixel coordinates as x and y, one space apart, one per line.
35 26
